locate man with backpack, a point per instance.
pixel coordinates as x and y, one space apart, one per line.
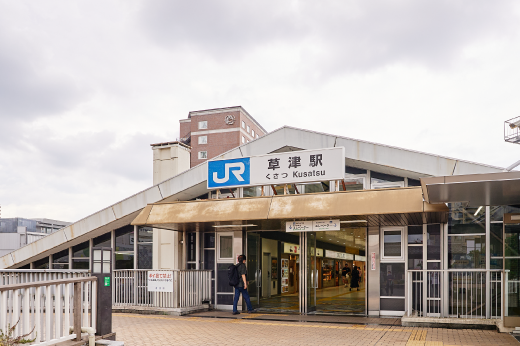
237 275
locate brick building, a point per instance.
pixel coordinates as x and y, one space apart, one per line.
212 132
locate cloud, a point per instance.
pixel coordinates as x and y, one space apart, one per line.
330 35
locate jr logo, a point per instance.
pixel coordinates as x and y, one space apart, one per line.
227 173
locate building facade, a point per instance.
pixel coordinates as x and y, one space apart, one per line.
417 248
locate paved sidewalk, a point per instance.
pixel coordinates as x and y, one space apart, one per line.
157 330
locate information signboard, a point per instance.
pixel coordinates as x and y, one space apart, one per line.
312 226
279 168
160 281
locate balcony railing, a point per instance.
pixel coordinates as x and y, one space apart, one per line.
191 289
464 293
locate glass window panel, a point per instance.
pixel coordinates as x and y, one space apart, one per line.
497 212
226 247
61 257
226 193
377 177
42 263
222 278
209 240
496 239
290 189
145 234
415 257
80 263
125 239
392 244
351 184
413 182
392 280
512 240
144 256
433 251
434 265
496 263
97 255
513 265
252 191
97 267
465 220
103 240
81 250
106 267
209 261
190 246
354 170
191 266
415 234
466 252
60 266
123 261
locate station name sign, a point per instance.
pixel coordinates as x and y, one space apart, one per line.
281 168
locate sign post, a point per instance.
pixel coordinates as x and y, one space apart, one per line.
102 269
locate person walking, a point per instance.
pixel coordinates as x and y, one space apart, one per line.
242 286
354 283
345 273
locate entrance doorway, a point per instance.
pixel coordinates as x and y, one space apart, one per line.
293 272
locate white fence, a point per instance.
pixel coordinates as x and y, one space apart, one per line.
47 309
191 289
20 276
457 293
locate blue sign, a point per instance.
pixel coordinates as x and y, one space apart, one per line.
229 173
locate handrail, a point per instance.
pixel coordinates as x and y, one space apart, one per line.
44 270
45 283
457 270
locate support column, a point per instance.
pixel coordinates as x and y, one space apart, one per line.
197 246
136 238
488 260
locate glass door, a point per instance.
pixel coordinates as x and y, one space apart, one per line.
254 271
511 263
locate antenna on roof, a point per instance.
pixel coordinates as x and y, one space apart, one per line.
512 135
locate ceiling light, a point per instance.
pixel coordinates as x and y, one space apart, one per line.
224 226
478 210
353 221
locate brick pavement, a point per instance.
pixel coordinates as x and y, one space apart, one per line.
156 330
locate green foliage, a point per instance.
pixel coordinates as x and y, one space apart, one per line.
7 339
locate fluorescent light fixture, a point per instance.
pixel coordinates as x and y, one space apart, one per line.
353 221
224 226
478 210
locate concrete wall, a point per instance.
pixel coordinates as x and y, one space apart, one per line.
168 161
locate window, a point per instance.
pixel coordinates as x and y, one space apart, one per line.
203 125
382 181
248 129
243 124
124 250
392 244
243 140
225 251
203 155
144 248
81 256
253 133
104 240
42 263
60 260
349 184
203 139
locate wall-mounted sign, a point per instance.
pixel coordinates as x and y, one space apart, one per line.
291 248
339 255
160 281
360 258
312 226
373 261
280 168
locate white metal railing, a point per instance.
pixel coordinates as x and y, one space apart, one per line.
462 293
47 309
19 276
191 288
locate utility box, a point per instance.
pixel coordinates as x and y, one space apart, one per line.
102 269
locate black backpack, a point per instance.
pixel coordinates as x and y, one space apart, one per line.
232 273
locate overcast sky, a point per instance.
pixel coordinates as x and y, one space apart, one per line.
86 86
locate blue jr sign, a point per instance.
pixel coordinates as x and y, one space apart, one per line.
229 173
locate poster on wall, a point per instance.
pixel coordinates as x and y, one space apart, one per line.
160 281
373 261
274 269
